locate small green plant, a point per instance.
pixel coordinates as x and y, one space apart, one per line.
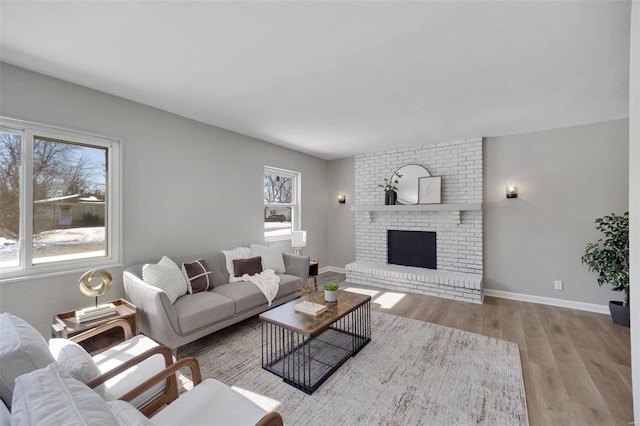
609 256
391 184
331 286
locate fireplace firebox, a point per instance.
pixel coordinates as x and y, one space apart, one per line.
412 248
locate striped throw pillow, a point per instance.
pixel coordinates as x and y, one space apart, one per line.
166 276
271 257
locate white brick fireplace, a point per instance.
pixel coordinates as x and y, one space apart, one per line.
457 221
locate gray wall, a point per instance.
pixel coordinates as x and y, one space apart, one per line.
340 219
566 179
189 188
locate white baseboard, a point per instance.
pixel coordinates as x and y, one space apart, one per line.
332 269
582 306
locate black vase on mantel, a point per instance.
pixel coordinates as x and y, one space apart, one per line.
390 198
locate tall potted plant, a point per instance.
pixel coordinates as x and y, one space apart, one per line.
609 257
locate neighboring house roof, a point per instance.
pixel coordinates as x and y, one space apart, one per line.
73 199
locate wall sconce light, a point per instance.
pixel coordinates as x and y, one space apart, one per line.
342 198
512 191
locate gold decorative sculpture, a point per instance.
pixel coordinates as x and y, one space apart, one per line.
105 283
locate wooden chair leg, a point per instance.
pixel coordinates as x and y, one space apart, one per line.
271 419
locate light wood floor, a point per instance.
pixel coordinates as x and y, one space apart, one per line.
576 365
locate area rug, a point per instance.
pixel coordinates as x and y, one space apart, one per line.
412 373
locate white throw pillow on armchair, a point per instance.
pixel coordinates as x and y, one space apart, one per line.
74 360
22 350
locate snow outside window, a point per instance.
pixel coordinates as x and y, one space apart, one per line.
60 192
281 203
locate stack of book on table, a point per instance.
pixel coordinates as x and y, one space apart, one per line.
96 312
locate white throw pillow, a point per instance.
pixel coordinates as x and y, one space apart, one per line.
74 360
49 397
22 350
236 253
166 276
271 257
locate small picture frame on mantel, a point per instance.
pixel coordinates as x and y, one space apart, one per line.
430 190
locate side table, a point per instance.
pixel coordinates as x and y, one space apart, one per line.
313 271
313 267
65 325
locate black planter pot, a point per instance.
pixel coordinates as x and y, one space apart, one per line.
620 314
390 198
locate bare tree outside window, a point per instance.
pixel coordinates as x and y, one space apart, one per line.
280 203
277 189
10 159
67 178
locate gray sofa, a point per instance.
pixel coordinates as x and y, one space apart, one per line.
193 316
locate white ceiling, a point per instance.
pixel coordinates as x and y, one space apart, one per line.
337 78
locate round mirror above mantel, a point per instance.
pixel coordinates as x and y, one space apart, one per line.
408 183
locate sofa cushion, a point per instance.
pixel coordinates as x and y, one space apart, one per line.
271 257
202 309
22 350
217 397
236 253
166 276
197 274
74 360
127 414
49 397
127 380
288 285
250 266
245 294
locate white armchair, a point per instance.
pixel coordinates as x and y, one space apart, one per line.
111 373
68 401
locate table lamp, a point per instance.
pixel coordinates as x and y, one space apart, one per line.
298 240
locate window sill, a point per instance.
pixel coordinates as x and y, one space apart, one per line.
34 273
275 239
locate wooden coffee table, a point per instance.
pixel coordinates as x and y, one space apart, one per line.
304 349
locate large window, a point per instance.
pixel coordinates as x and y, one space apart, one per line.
281 203
59 197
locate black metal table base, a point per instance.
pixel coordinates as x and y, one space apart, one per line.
304 361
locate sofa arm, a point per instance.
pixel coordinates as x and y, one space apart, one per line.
157 317
296 265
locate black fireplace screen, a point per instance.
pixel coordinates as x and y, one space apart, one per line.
412 248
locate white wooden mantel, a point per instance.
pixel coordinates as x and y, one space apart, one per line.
453 209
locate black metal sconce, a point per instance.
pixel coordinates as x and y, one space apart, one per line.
342 198
512 191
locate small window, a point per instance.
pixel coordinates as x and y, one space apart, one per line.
69 215
281 206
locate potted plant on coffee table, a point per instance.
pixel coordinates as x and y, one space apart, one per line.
609 257
331 292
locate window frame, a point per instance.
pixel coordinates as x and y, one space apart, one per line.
113 193
296 209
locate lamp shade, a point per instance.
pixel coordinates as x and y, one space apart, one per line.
299 239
